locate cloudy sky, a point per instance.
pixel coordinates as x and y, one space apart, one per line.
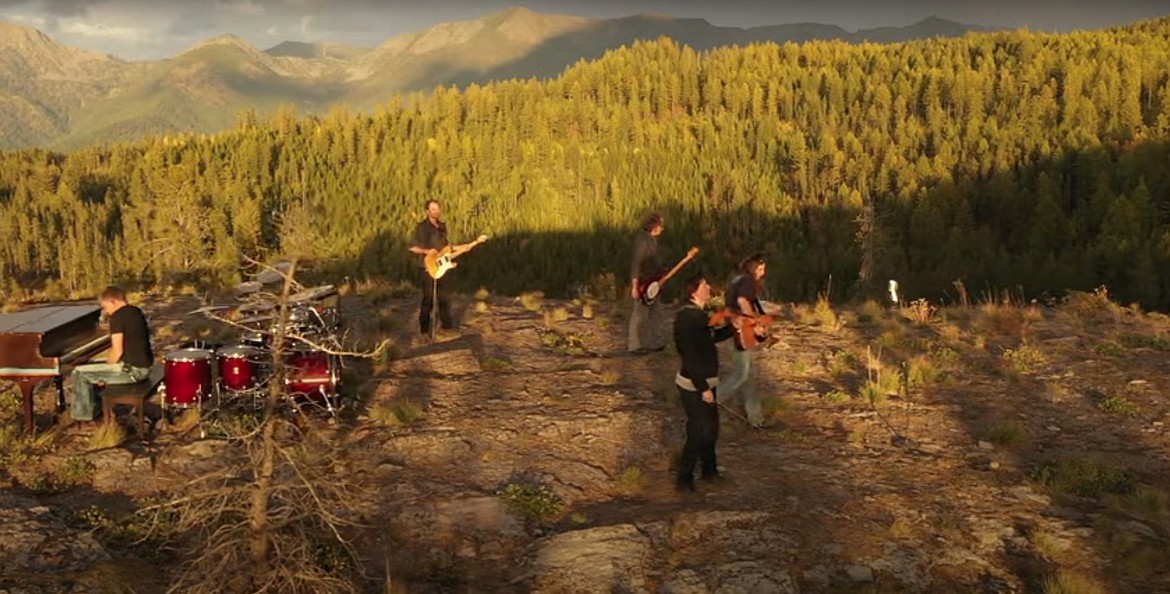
140 29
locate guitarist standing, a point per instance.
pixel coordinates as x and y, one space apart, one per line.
742 297
646 263
429 237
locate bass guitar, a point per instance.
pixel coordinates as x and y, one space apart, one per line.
746 336
649 287
438 263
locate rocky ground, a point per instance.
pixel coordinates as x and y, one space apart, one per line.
990 449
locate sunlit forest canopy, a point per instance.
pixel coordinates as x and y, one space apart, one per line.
1005 160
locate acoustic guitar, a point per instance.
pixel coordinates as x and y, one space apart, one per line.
649 287
745 335
440 262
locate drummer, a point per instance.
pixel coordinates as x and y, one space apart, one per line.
130 355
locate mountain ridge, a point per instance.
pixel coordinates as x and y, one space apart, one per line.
64 97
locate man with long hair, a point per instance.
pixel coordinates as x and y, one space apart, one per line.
645 332
742 296
697 379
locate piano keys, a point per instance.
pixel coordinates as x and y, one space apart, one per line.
43 343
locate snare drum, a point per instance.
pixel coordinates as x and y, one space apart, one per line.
187 377
258 340
239 367
311 373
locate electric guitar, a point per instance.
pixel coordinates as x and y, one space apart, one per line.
650 286
438 263
745 336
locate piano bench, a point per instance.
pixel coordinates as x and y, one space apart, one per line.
133 395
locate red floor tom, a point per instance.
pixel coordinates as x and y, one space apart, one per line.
239 367
312 373
187 377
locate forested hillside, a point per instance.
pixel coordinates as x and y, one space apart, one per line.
999 159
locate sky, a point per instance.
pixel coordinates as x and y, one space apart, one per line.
149 29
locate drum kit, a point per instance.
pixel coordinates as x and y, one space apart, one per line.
203 375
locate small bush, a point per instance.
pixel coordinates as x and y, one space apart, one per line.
1119 405
493 363
1109 348
1089 307
385 414
922 372
535 502
1135 340
75 469
1085 478
837 397
945 356
1023 359
921 311
1004 434
950 333
843 363
532 300
567 342
409 412
632 480
825 316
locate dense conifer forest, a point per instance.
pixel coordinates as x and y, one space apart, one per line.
1019 161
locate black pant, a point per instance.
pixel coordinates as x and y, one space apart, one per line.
702 433
428 302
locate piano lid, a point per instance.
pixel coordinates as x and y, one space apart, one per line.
34 338
44 319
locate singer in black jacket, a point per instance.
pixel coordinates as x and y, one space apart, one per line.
695 339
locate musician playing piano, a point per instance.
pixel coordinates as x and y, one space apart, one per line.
130 356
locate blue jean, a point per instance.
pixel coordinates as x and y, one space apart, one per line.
741 384
85 376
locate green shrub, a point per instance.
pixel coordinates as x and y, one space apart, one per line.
1085 478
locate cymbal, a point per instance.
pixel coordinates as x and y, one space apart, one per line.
255 320
256 306
208 309
274 274
247 288
313 294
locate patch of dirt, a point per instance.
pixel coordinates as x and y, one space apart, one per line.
932 486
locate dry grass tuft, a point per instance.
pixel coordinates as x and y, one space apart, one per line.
532 300
921 312
610 377
870 311
109 434
1066 582
1006 434
385 414
1049 545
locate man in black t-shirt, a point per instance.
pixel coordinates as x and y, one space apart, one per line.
742 296
130 356
429 238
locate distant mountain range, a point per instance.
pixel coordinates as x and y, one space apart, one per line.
62 97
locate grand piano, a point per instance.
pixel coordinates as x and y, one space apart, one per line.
43 343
